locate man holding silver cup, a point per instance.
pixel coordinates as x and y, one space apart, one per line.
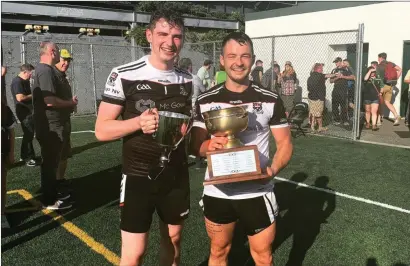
154 100
253 203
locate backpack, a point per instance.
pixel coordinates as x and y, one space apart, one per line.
390 72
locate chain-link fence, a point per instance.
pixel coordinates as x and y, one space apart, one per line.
93 62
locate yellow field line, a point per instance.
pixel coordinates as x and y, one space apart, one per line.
72 228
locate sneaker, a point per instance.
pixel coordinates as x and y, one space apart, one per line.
397 121
31 163
4 222
63 196
59 205
336 123
346 123
406 123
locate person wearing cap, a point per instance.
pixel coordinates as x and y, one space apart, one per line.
203 74
60 71
340 91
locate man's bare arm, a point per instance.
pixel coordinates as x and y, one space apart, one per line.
284 149
55 102
399 71
22 98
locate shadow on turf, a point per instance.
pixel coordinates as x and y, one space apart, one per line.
89 192
373 262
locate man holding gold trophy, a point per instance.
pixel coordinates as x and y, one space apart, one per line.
240 116
154 100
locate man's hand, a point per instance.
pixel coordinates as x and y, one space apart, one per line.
269 171
75 100
217 143
149 121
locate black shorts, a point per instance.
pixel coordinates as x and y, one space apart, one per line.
255 214
168 195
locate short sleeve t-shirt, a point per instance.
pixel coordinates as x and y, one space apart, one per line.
21 86
138 86
341 84
265 111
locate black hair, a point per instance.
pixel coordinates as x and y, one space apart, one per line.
172 17
383 55
26 67
239 37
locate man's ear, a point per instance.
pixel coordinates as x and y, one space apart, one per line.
221 60
148 35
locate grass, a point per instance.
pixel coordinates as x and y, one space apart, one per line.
314 227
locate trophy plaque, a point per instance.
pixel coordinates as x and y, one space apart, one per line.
235 162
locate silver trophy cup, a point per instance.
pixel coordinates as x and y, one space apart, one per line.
172 128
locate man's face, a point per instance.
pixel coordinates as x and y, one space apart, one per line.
346 64
379 59
54 52
63 64
27 74
374 66
319 69
237 59
166 40
339 64
259 64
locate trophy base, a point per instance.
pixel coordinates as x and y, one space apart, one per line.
234 178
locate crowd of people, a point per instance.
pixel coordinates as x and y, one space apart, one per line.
138 91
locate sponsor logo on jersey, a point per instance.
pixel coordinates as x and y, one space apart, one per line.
143 105
164 81
257 108
113 77
143 87
166 106
235 102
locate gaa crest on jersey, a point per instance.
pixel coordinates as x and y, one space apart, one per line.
183 92
113 77
143 105
257 108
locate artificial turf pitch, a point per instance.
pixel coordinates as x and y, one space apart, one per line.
313 228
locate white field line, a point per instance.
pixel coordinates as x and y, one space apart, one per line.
75 132
368 201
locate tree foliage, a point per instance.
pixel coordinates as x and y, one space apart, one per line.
193 34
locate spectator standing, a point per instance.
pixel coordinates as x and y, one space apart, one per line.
271 79
257 73
371 91
203 74
316 85
288 87
20 89
350 89
66 93
388 84
50 120
220 76
339 93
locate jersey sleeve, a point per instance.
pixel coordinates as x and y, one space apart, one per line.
113 92
278 118
198 118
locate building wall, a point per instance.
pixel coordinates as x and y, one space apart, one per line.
383 33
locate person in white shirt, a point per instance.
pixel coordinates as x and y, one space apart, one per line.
203 74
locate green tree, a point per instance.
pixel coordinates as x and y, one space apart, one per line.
193 34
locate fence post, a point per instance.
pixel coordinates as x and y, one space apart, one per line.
271 62
22 50
133 42
214 58
359 73
93 78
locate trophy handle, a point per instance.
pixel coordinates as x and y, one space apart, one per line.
190 125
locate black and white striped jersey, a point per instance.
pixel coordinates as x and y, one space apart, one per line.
138 86
265 111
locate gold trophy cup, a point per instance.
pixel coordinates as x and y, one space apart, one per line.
235 162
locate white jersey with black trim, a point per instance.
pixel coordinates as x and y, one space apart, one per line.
138 86
265 111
